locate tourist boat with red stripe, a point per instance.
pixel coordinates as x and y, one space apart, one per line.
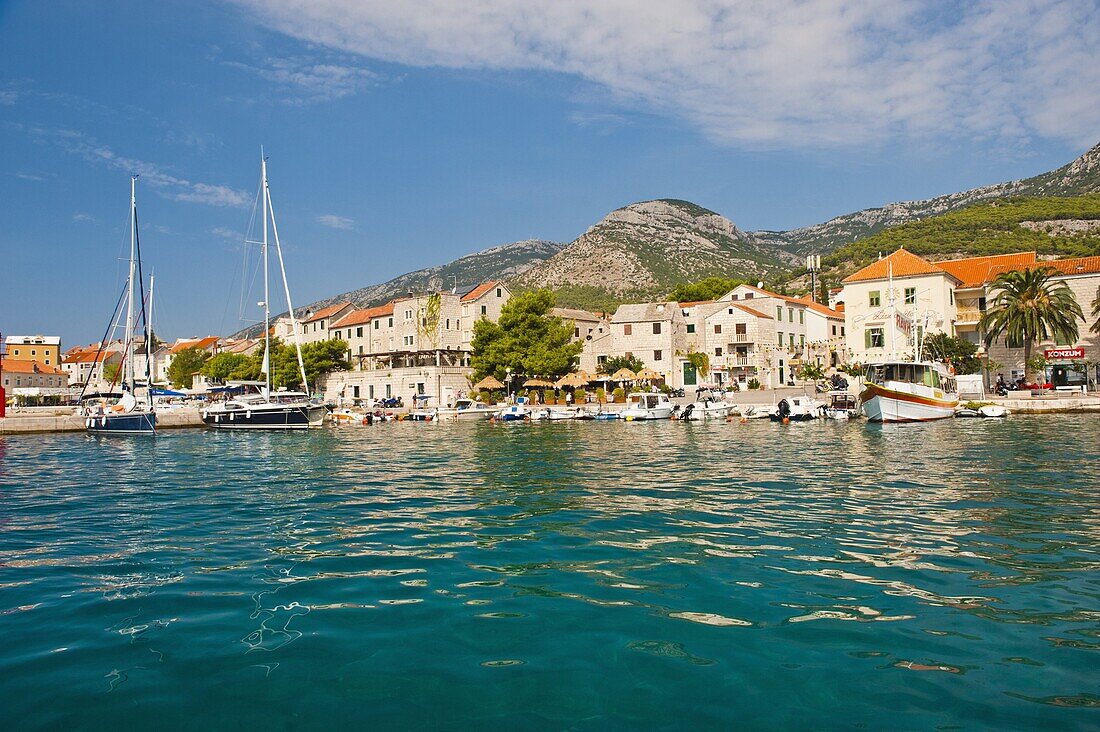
908 391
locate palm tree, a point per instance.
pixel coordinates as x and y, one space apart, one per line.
1028 306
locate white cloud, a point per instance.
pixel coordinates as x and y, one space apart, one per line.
227 233
762 73
306 80
79 217
8 98
167 184
333 221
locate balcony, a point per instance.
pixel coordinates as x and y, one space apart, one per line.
967 314
741 338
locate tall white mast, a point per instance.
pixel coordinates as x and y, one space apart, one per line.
128 371
286 287
893 312
267 304
149 345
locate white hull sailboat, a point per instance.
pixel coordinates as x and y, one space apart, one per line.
269 410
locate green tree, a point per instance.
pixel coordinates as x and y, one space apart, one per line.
186 364
527 339
111 371
710 288
614 363
960 352
322 357
811 371
701 361
1028 306
222 366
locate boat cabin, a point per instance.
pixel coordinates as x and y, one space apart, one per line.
930 374
647 400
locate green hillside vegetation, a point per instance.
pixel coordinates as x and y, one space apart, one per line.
986 228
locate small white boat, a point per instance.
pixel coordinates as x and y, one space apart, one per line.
757 411
993 411
647 406
347 418
795 409
518 412
467 410
707 405
554 415
841 406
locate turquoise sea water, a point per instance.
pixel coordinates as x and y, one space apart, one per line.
549 576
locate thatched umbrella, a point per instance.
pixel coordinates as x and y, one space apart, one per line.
570 380
587 377
540 383
488 383
648 374
623 374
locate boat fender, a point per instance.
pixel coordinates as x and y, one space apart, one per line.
744 419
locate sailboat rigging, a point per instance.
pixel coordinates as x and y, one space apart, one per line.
126 416
268 409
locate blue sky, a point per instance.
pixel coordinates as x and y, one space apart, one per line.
401 137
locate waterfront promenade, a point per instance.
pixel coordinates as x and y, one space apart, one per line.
63 419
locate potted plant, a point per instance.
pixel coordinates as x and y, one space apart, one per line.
601 395
548 397
618 395
580 396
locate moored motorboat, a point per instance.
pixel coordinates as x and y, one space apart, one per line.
518 412
466 410
795 409
908 391
993 411
707 405
647 406
841 406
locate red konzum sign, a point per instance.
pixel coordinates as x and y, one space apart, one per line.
1062 354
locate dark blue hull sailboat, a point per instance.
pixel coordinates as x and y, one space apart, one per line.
133 423
127 417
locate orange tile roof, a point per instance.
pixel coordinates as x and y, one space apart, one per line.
479 291
693 303
903 263
819 308
1073 266
358 317
326 312
203 343
974 271
87 356
752 311
16 366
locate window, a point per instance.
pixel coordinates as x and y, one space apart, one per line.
499 292
484 310
802 342
780 339
627 330
656 329
717 328
731 311
448 323
360 350
874 338
390 323
355 392
718 351
733 296
802 317
874 298
423 322
740 329
842 330
790 339
376 324
910 295
576 332
691 327
322 325
34 352
336 334
779 313
359 332
656 355
748 295
790 315
408 315
834 330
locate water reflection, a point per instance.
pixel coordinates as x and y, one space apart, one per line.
847 551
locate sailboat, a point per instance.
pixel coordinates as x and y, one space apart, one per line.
127 415
907 390
267 409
